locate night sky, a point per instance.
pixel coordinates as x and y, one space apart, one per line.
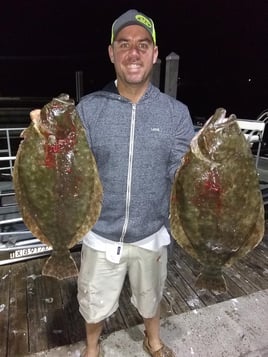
222 44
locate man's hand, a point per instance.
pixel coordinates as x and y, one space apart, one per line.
35 115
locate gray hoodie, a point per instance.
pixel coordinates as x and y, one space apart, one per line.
138 148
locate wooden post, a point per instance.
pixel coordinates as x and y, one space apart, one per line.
171 75
156 73
79 85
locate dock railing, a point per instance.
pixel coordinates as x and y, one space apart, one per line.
253 131
9 142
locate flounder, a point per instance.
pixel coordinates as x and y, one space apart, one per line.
216 207
56 183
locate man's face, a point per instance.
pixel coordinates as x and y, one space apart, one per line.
133 55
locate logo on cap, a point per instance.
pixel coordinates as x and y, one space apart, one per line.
144 20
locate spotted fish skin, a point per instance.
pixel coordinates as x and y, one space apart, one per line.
56 182
216 207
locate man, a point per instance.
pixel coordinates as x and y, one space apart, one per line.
138 136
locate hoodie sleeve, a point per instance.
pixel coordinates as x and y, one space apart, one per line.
181 140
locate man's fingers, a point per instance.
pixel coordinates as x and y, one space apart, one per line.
35 115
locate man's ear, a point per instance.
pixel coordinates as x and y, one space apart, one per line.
155 54
111 53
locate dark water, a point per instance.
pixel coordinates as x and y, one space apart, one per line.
202 92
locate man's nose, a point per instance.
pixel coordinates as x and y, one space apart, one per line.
134 50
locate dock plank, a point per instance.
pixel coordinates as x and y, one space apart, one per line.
17 324
36 314
5 277
70 309
46 309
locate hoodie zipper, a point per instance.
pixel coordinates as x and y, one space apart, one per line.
129 173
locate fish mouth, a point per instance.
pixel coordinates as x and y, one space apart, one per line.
219 120
63 98
217 123
223 125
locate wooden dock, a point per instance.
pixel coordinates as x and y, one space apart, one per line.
38 313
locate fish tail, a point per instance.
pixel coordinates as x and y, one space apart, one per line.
212 282
60 266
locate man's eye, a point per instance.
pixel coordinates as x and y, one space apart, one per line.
143 46
124 45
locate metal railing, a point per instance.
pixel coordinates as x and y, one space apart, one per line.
9 141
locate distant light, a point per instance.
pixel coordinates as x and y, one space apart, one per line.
249 79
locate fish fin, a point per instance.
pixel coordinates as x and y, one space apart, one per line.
177 231
212 282
256 236
60 266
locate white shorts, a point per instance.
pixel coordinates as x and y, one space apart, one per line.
100 281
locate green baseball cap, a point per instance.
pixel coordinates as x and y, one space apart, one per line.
133 17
